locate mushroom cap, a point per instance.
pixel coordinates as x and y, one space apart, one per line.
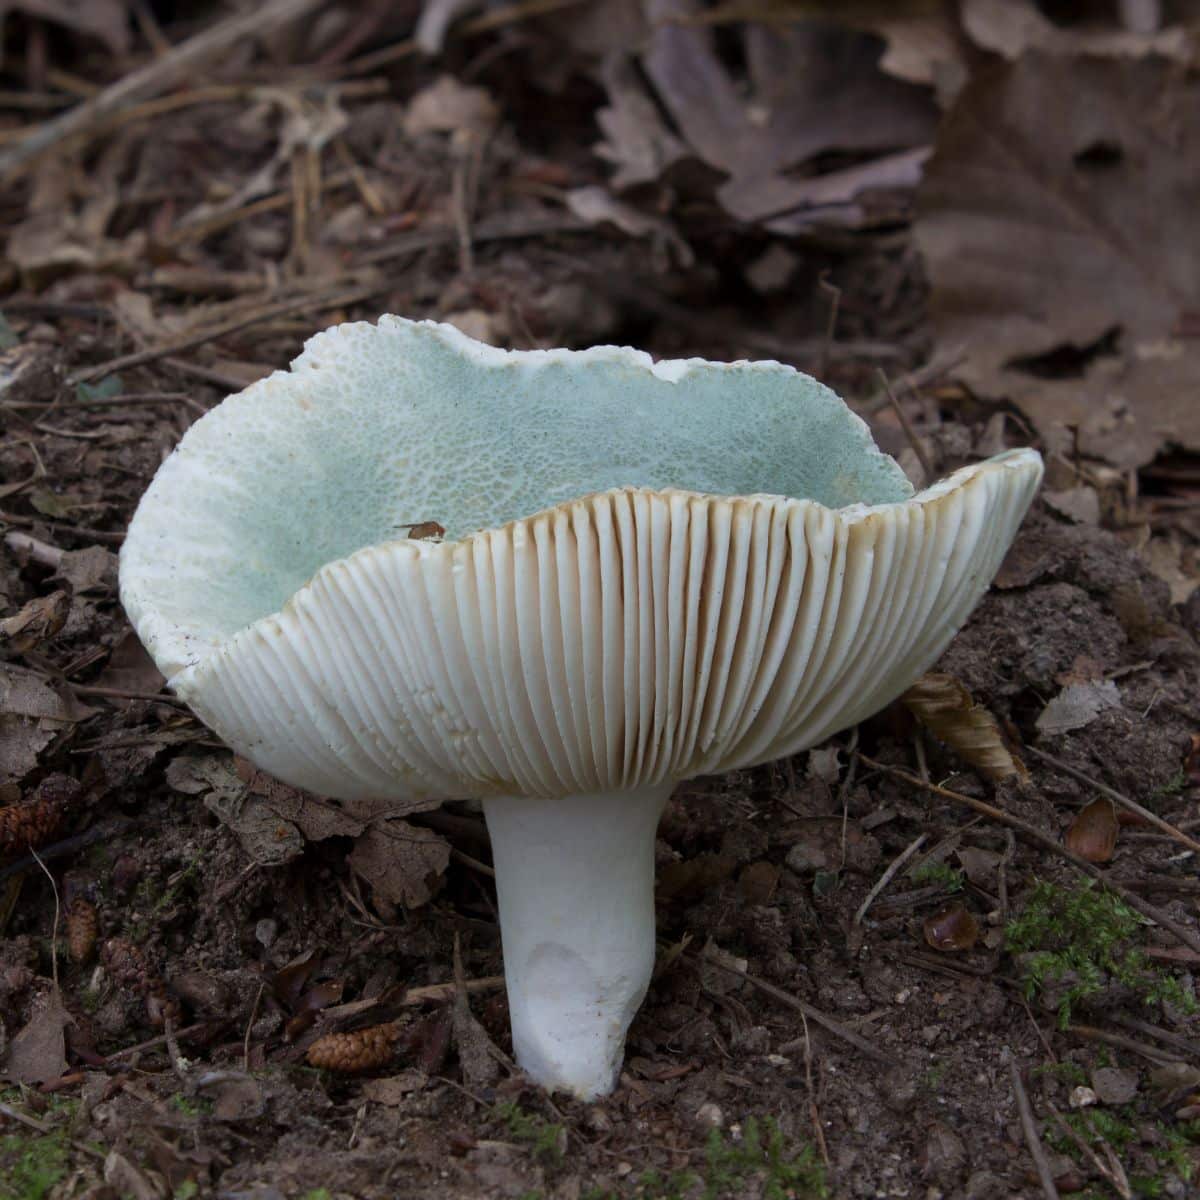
588 624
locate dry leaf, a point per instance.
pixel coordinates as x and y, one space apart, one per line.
1078 504
1012 27
597 205
265 836
401 862
38 1053
979 864
130 668
1069 289
435 20
107 20
951 928
636 139
92 569
1077 706
37 622
393 1091
945 708
814 89
448 106
1093 832
317 817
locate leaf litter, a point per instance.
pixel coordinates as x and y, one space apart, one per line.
237 181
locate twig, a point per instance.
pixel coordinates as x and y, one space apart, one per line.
96 535
1090 1033
152 79
1027 831
473 863
13 1114
484 23
137 398
107 693
176 1059
446 991
1029 1127
813 1014
262 987
220 379
1185 1045
57 913
814 1113
1115 1176
1118 798
835 302
68 846
887 877
154 1042
931 372
907 426
235 325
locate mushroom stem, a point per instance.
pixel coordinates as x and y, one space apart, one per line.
575 881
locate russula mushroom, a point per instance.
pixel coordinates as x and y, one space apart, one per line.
651 571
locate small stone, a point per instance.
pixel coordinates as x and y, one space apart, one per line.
984 1185
710 1116
1082 1097
944 1156
1114 1085
806 856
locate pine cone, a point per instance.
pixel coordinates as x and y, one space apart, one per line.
129 970
348 1053
126 965
83 924
37 819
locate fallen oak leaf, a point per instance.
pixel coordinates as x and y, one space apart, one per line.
1070 296
403 863
814 89
38 1053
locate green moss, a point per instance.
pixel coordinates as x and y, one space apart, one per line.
543 1137
939 874
1087 935
31 1165
1121 1128
760 1164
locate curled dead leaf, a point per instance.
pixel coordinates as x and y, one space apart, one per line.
951 928
945 707
1093 832
403 863
37 622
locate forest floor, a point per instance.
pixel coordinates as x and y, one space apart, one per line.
189 192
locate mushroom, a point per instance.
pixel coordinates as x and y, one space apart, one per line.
651 571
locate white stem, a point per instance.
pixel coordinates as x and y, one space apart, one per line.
575 880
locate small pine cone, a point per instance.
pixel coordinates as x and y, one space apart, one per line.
126 965
37 819
362 1050
83 924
